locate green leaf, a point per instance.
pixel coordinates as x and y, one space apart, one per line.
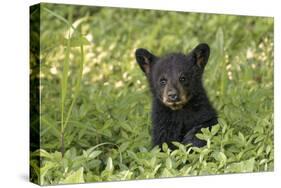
215 129
202 136
263 161
205 135
125 175
169 164
176 144
185 171
109 165
258 139
123 146
203 153
244 166
206 132
74 177
241 138
43 171
94 154
42 153
165 147
220 157
260 150
153 161
57 156
268 149
166 173
156 168
223 124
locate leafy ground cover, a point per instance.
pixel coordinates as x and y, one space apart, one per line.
95 102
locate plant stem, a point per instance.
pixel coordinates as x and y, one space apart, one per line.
62 144
77 87
64 83
64 79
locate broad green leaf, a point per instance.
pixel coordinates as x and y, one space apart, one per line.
109 165
220 157
206 132
74 177
157 167
263 161
94 154
215 129
169 164
42 153
241 138
153 161
124 146
223 123
165 147
44 170
203 154
258 139
125 175
268 149
202 136
186 170
244 166
260 150
166 173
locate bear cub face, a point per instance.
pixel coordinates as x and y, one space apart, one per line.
175 78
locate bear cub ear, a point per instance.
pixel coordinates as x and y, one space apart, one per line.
201 53
145 60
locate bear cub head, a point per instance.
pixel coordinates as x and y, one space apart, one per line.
175 78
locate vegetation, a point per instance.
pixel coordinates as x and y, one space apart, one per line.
95 101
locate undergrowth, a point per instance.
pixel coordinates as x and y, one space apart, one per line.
95 103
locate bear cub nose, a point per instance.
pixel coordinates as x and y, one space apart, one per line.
173 96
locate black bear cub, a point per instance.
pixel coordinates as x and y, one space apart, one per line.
180 104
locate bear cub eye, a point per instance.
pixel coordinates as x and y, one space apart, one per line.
163 81
182 78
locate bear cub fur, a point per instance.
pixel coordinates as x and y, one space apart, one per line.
180 105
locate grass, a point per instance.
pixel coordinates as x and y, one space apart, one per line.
95 102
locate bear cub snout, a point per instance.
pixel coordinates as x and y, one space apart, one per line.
180 104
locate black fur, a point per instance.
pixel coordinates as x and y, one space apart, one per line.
180 105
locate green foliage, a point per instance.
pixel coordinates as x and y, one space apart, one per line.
95 97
